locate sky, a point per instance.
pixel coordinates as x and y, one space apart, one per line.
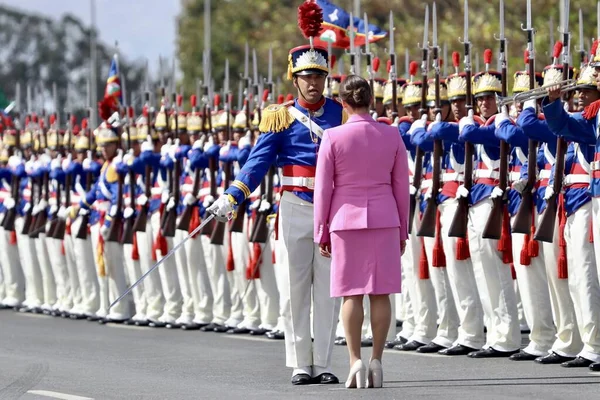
143 28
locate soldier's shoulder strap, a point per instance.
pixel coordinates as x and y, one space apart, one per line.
276 118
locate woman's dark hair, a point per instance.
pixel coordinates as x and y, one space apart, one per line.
356 92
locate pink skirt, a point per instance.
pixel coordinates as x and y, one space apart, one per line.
365 261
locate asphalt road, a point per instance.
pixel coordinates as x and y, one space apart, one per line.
44 357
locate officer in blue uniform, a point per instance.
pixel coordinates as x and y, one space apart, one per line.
290 137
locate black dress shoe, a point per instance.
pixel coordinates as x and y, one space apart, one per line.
77 316
275 335
595 367
457 350
208 328
190 327
326 378
578 362
129 322
65 314
173 325
491 353
340 341
366 342
4 307
522 356
258 332
396 342
156 324
93 318
430 348
138 322
301 379
553 358
398 323
221 328
238 331
409 346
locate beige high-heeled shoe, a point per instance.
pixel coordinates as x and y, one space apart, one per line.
375 374
357 378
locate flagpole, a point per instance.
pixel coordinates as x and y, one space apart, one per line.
93 66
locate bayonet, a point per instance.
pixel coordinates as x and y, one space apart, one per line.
406 63
393 72
581 48
370 74
352 51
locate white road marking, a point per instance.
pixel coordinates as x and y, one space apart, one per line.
414 353
123 326
250 337
58 395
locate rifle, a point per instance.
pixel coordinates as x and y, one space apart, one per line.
523 218
54 217
368 54
393 71
42 217
61 224
493 227
545 230
217 234
142 217
85 219
419 153
116 224
9 219
206 120
128 230
170 221
460 222
186 216
427 227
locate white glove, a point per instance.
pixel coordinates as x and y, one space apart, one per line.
465 121
27 207
56 162
427 194
255 204
128 157
225 149
420 123
530 104
497 192
170 204
147 145
244 141
14 161
87 163
30 165
164 197
44 159
519 185
127 201
9 203
53 209
189 199
173 149
113 210
208 200
412 190
41 206
437 120
62 213
198 144
84 211
566 106
119 157
142 200
222 209
548 193
501 117
209 143
164 150
264 206
104 231
67 161
128 213
461 192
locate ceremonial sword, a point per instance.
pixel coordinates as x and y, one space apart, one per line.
169 254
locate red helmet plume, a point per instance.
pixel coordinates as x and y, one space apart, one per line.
310 18
376 62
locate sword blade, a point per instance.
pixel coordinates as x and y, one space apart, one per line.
162 260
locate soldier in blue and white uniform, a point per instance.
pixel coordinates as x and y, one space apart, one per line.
290 137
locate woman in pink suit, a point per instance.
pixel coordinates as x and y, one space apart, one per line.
361 221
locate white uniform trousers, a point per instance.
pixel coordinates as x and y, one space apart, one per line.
420 290
533 287
133 272
42 261
86 272
168 277
583 280
102 311
463 287
155 302
58 263
567 342
596 229
71 263
219 283
405 313
34 289
241 249
282 281
14 286
184 277
307 270
494 283
447 330
199 280
268 294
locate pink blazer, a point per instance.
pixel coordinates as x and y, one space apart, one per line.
361 180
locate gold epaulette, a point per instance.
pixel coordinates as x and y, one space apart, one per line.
276 118
111 174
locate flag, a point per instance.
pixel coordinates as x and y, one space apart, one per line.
373 32
113 83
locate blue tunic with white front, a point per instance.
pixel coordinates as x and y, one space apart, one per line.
294 145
